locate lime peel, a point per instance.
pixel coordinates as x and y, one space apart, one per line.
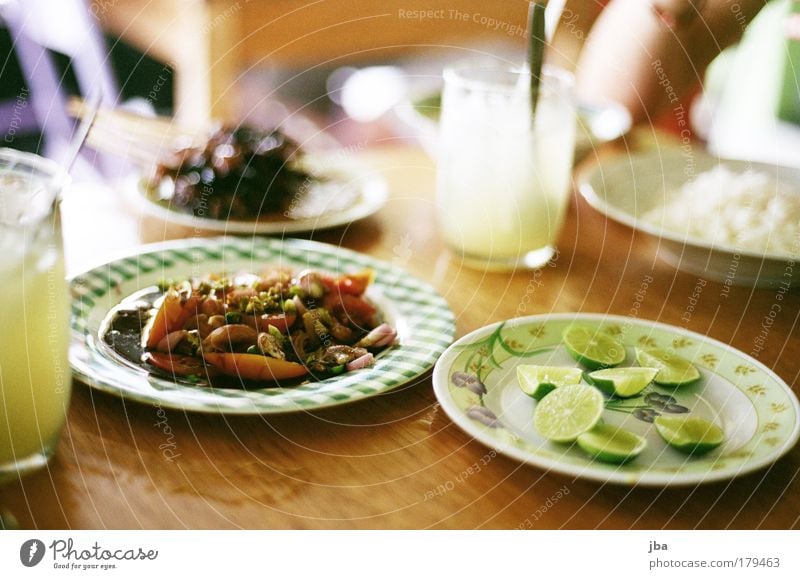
673 371
689 434
622 382
611 444
538 381
593 348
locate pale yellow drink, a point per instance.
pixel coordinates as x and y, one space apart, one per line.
34 326
503 179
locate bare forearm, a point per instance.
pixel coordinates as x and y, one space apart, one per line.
576 21
633 57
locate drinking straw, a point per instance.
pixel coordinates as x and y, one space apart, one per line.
536 43
82 132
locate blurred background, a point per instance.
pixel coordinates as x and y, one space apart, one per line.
355 69
250 61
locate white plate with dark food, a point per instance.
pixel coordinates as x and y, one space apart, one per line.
735 222
754 412
243 181
253 326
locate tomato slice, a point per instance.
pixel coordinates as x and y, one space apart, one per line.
355 284
254 367
171 316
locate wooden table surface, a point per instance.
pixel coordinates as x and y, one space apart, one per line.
396 461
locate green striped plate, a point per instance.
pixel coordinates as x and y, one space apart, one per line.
421 316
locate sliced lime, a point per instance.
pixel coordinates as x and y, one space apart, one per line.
622 382
593 348
672 369
608 443
689 434
567 412
537 381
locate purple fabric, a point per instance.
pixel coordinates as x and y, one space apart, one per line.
45 95
17 116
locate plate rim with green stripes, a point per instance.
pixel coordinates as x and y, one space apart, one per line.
425 324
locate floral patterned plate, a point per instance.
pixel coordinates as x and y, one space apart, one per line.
422 318
756 409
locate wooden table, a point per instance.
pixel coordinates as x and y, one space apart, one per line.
378 463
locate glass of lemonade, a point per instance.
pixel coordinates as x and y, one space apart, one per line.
35 378
503 179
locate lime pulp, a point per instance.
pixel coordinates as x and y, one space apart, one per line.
567 412
538 381
593 348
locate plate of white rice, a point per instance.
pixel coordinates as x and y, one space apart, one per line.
732 221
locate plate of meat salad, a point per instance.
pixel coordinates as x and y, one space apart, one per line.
253 326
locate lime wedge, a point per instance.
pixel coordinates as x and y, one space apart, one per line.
567 412
672 369
622 382
608 443
593 348
688 434
537 381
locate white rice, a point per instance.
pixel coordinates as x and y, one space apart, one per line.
747 211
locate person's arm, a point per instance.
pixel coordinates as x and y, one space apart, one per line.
649 55
574 25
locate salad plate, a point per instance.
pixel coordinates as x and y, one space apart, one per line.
421 317
757 411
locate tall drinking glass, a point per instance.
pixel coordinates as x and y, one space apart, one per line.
503 178
34 327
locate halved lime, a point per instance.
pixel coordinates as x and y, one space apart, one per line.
622 382
672 369
689 434
608 443
593 348
567 412
537 381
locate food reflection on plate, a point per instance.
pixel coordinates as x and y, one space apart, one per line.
249 329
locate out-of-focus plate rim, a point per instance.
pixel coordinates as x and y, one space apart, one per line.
593 197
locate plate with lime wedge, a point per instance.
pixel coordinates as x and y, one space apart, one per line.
617 399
